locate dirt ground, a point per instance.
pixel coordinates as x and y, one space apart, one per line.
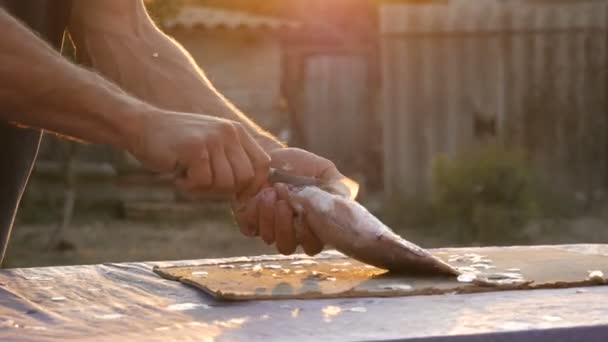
105 238
91 241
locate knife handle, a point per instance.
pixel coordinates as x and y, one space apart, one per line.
274 176
278 176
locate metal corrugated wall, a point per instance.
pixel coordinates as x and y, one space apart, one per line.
539 71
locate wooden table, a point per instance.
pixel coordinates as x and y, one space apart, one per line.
129 302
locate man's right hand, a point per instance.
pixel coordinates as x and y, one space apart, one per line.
215 155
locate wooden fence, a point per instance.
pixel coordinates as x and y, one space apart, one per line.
336 105
535 73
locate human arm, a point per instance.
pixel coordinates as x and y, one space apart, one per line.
119 40
39 88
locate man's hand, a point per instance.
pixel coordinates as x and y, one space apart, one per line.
214 155
272 218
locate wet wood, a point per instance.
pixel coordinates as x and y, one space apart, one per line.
128 302
337 277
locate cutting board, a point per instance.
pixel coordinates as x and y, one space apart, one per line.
484 269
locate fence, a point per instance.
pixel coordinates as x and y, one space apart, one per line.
335 102
534 74
330 83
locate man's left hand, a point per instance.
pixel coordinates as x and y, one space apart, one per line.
273 219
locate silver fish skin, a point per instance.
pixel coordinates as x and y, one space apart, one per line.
351 229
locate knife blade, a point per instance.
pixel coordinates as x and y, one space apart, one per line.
344 187
277 176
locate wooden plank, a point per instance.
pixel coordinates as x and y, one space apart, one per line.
504 76
427 110
562 71
336 109
128 302
340 277
387 51
542 81
417 118
439 94
454 99
524 67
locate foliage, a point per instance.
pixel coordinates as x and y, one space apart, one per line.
489 189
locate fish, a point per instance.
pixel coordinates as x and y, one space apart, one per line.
342 223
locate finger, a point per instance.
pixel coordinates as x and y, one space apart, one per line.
304 234
260 162
340 184
330 172
284 229
223 179
266 215
246 215
197 175
282 191
309 241
284 195
241 167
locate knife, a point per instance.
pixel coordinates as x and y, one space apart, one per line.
278 176
344 187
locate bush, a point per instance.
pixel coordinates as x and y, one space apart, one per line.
488 192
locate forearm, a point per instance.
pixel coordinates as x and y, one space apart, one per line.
117 38
39 88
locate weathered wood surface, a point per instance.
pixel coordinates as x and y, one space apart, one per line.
536 72
128 302
520 268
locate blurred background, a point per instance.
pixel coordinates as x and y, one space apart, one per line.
467 122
